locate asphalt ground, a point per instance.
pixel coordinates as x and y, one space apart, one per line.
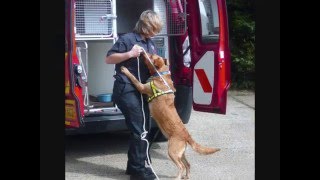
104 156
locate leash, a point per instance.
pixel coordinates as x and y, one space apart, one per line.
144 134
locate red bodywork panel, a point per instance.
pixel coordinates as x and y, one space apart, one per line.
74 108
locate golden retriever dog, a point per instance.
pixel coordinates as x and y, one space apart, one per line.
160 91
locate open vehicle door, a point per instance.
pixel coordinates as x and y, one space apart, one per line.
210 54
74 108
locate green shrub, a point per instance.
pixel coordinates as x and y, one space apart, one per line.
242 43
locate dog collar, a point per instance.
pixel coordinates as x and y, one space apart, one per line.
157 92
162 73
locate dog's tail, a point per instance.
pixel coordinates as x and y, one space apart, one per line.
201 149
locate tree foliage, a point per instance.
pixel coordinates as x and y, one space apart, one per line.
242 42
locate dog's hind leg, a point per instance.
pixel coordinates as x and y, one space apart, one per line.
186 164
175 150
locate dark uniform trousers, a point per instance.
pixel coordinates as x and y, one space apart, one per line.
128 100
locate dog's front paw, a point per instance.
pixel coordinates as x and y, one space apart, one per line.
124 69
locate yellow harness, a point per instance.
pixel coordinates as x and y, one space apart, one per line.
157 92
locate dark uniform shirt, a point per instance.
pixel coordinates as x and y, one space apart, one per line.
125 44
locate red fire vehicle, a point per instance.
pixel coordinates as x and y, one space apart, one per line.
194 38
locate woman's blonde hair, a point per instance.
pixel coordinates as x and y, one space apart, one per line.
148 23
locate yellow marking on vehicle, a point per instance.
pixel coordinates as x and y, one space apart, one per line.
70 110
67 87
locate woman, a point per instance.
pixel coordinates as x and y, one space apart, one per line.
132 104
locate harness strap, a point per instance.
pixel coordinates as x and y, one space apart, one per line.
157 92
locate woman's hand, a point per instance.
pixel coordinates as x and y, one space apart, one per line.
135 51
120 57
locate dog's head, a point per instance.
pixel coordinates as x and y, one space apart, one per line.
160 63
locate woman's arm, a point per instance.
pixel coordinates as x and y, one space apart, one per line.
116 58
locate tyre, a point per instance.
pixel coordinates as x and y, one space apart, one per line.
157 136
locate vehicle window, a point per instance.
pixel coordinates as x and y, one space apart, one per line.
209 18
